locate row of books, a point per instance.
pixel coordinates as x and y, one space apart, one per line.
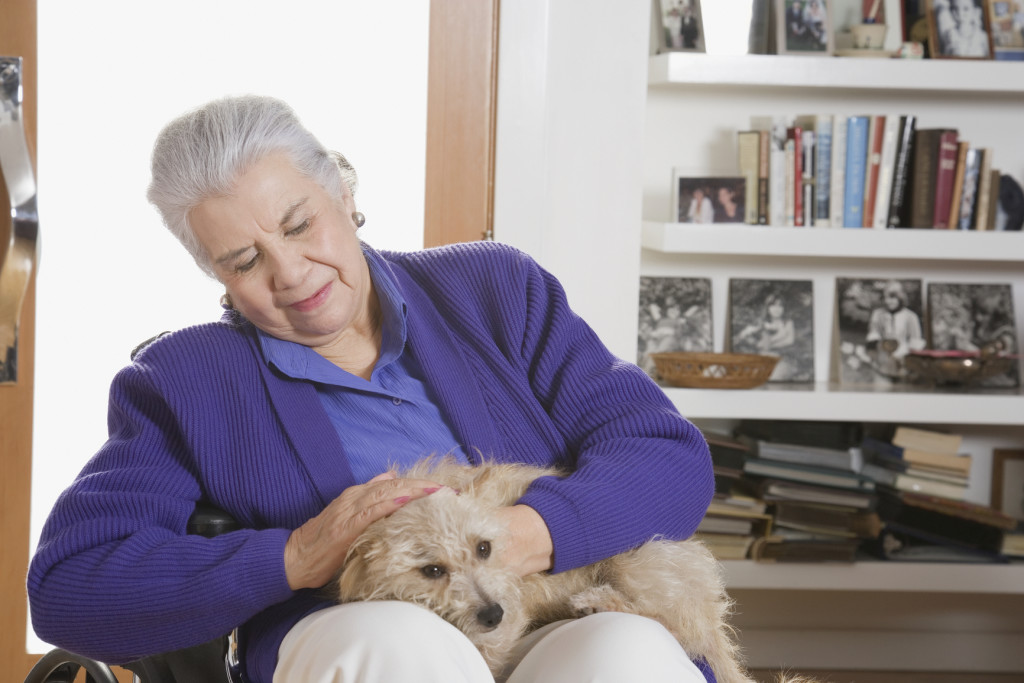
801 495
865 171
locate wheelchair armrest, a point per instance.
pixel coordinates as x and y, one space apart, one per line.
61 666
210 521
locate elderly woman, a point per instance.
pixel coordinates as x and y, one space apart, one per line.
332 365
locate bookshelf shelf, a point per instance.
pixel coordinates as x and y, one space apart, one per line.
944 76
830 401
908 577
940 245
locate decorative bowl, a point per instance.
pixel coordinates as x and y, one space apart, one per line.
706 370
957 367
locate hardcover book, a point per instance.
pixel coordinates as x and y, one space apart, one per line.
876 134
749 146
838 174
927 440
776 127
823 172
984 189
847 460
953 462
926 155
794 134
899 215
808 474
958 186
886 171
856 167
969 190
763 176
908 482
896 509
945 173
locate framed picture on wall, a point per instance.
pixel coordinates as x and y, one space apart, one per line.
974 317
1008 482
774 317
958 29
803 27
708 199
682 27
1006 20
880 322
675 315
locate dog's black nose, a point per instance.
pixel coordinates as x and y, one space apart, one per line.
491 615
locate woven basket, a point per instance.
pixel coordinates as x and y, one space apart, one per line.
714 370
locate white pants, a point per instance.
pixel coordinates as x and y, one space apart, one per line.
380 642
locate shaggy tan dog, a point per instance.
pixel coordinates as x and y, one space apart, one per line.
443 552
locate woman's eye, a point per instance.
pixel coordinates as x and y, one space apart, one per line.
483 549
433 571
248 265
299 229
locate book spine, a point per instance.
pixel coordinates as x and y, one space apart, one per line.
876 131
790 184
795 133
993 199
778 178
808 142
968 195
749 144
898 215
838 180
984 189
958 186
945 171
823 173
886 169
856 162
923 191
763 174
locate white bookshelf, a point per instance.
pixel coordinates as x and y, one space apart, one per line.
886 577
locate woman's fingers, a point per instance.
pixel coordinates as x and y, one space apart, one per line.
316 550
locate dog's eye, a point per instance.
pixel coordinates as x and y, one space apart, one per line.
483 549
433 571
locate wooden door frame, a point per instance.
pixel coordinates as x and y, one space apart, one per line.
461 112
461 119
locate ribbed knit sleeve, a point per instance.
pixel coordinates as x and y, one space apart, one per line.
115 576
558 396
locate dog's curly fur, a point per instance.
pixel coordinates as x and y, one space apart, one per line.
443 552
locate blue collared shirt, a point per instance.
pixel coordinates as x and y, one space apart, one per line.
390 420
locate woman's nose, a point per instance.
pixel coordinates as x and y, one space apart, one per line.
289 268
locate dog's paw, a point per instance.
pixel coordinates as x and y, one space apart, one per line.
602 598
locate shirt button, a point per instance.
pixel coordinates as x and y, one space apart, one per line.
397 401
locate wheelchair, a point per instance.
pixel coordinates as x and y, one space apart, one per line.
214 662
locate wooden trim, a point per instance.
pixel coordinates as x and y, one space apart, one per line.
17 38
461 116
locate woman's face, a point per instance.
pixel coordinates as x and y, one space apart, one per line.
287 254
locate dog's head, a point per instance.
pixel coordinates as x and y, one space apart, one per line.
442 552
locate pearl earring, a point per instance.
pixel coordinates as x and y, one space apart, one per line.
358 218
225 302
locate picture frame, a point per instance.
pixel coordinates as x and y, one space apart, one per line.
958 29
804 27
879 322
1008 481
1006 22
774 317
708 198
736 27
682 26
972 317
675 315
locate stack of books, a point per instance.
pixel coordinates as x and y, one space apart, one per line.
865 171
920 461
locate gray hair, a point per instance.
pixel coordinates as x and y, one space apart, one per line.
201 154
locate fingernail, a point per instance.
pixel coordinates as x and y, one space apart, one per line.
432 489
402 500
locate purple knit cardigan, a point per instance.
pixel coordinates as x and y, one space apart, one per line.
199 415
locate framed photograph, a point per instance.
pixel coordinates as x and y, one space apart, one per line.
880 322
974 317
708 199
1008 481
675 315
958 29
682 26
774 317
1006 19
803 27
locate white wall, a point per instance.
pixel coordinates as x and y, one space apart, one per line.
111 74
572 80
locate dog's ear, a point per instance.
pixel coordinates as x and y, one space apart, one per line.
353 577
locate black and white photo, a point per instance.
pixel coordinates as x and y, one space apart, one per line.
974 317
804 27
682 26
880 322
958 29
775 317
675 315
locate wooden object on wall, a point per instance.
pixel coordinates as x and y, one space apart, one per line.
461 109
17 38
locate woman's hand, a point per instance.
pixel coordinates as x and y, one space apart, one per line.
316 550
530 549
